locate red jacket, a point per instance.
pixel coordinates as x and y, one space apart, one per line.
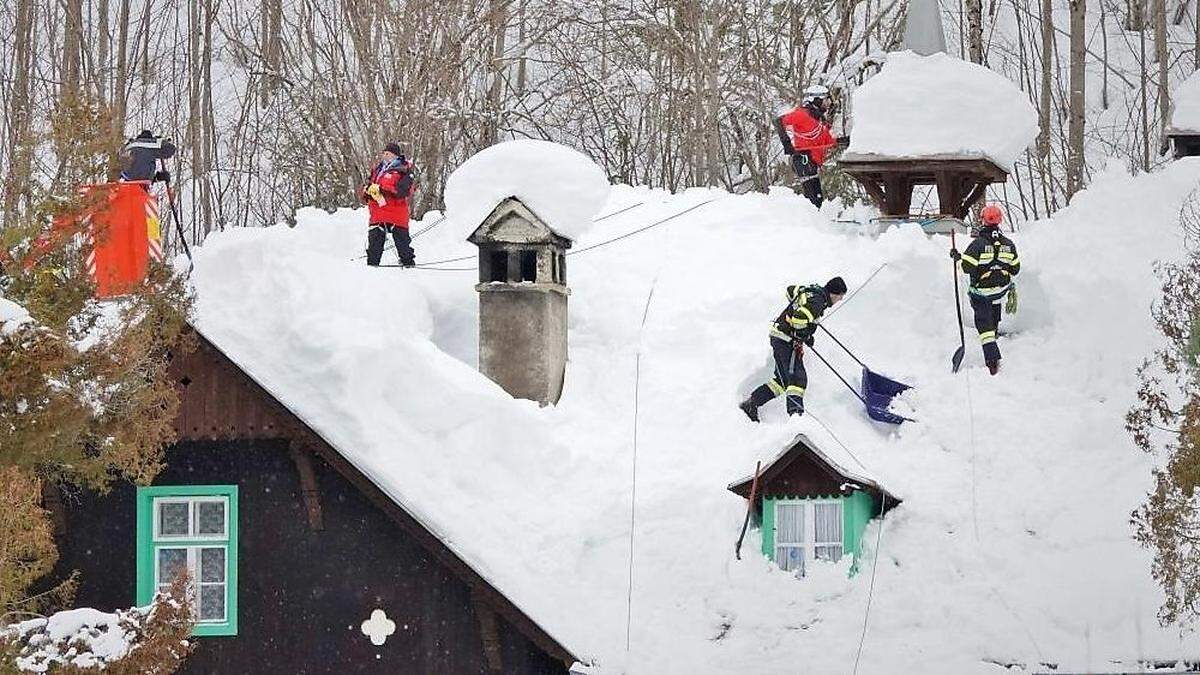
395 185
808 134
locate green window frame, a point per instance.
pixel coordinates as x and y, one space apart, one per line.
192 528
857 510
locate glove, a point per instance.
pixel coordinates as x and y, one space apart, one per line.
374 192
810 340
955 255
162 176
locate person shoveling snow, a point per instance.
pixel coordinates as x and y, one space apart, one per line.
792 330
991 262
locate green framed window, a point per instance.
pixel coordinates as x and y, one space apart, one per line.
798 530
192 529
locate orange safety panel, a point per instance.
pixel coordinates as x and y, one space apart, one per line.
124 233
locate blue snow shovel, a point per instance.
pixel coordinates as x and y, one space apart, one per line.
877 390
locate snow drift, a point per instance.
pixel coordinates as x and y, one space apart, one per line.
560 184
922 106
1012 544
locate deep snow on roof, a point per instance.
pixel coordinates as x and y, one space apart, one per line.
1012 543
939 105
1185 105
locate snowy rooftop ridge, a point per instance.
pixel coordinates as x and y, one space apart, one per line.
941 106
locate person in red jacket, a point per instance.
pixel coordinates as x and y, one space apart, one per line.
386 196
806 137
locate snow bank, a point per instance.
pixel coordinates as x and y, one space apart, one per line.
12 316
1185 105
558 183
85 637
920 106
1012 544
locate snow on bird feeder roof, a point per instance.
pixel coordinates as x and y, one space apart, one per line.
1185 107
562 186
939 106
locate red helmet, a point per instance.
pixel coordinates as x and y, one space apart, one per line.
991 215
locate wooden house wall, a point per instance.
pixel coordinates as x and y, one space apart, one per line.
303 593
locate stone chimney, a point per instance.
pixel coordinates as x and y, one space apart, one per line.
923 28
522 302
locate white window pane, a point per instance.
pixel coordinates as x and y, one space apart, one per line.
790 558
830 553
212 602
827 522
789 523
173 518
212 564
171 563
210 518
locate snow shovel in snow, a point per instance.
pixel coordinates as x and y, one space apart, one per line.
957 359
877 390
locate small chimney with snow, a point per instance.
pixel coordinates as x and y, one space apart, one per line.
522 302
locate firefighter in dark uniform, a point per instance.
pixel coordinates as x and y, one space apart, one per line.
991 262
144 152
793 329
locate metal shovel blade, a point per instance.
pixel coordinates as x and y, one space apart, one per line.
957 359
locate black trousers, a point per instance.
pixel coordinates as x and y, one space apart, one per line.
377 235
987 322
810 178
790 378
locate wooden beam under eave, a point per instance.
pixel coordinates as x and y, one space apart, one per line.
309 493
489 635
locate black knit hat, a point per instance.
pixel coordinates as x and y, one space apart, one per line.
835 286
393 148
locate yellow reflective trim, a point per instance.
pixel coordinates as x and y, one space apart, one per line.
967 258
797 322
793 390
987 336
806 313
775 387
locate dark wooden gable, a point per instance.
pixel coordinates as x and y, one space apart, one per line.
802 472
220 401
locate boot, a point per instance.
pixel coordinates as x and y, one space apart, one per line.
993 367
750 409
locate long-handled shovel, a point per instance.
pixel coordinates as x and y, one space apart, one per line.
957 359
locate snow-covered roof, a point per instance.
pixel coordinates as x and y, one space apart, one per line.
1185 107
381 362
940 106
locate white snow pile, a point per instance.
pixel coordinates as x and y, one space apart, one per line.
1012 544
560 184
12 316
1185 105
85 638
923 106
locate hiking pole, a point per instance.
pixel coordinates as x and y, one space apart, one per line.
957 359
839 376
737 548
178 223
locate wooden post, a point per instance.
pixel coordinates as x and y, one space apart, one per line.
488 633
311 496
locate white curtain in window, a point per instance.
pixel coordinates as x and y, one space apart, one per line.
789 523
827 531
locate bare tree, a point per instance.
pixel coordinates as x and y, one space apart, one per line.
975 30
1075 160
